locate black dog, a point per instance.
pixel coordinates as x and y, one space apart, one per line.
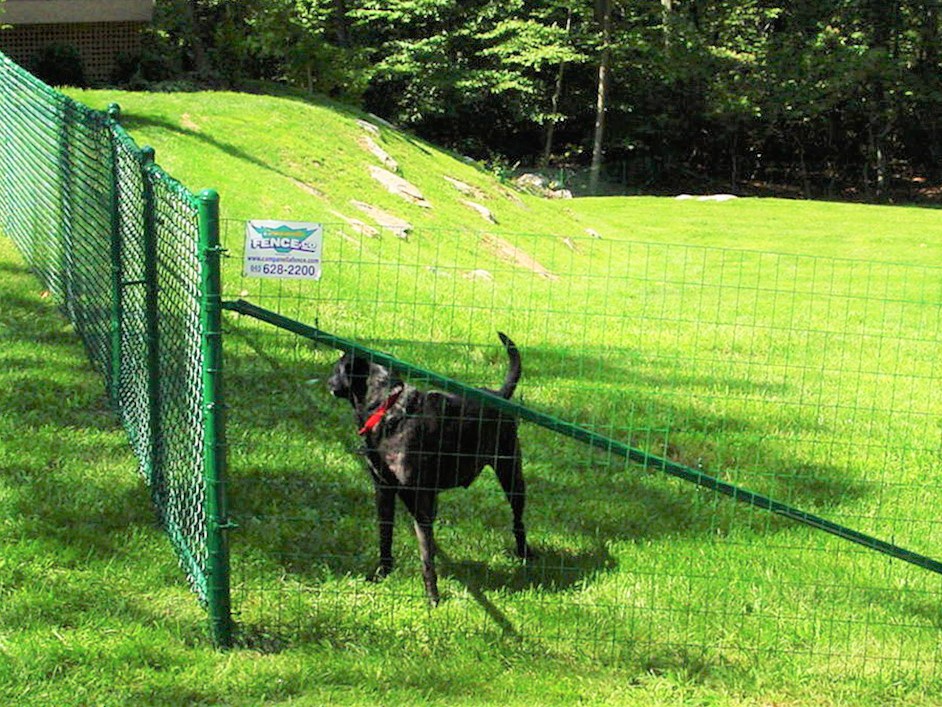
418 444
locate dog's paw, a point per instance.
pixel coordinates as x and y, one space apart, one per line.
380 573
528 554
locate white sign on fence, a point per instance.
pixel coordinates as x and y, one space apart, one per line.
283 249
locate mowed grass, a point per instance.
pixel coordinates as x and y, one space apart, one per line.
96 611
805 377
733 337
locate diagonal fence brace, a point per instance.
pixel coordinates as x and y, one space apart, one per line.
586 436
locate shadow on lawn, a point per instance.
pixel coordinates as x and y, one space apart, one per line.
60 410
315 519
69 483
15 269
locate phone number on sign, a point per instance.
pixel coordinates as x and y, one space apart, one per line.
288 270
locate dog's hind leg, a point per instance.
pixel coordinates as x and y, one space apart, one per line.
510 475
422 506
385 512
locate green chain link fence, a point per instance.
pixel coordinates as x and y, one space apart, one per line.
130 254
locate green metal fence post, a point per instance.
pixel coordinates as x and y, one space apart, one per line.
117 301
214 454
154 467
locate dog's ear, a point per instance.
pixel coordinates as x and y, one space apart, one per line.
358 367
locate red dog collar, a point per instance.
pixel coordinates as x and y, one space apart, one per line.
373 420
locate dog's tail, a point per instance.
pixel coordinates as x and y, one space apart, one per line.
513 373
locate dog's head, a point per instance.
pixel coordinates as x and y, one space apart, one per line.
349 379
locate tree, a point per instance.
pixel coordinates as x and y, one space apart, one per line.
833 94
603 15
554 116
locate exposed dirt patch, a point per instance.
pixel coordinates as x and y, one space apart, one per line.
509 252
187 123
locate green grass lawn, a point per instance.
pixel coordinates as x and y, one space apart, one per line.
790 347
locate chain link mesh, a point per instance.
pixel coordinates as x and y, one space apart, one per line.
116 242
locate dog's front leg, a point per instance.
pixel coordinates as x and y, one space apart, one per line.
385 513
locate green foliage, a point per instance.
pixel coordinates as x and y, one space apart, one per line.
60 64
834 96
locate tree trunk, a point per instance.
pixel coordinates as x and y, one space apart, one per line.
884 18
340 23
200 61
667 9
554 103
604 15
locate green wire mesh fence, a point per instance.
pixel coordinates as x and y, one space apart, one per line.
809 380
118 243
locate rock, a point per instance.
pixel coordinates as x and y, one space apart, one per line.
558 193
479 275
397 226
539 185
368 127
706 197
465 189
530 182
480 209
381 121
400 187
358 226
512 254
369 144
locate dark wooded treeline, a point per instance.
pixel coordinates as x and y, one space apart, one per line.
832 98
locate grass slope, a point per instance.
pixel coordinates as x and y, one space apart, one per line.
284 157
646 593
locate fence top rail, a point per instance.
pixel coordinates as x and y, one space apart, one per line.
584 435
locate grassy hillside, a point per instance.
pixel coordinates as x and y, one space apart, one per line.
672 325
290 158
283 157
